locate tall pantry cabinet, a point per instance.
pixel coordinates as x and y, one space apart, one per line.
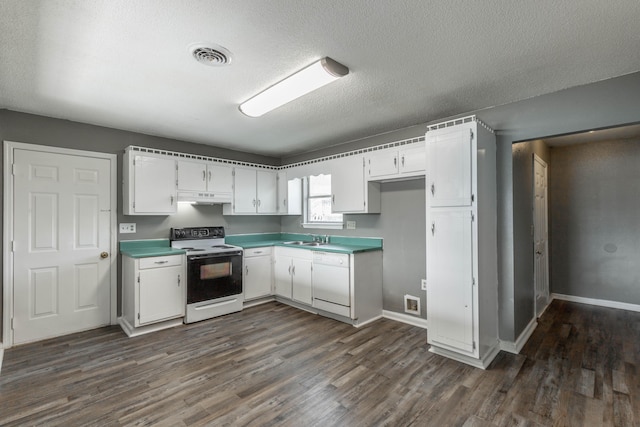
461 211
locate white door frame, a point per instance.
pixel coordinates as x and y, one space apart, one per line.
7 237
538 159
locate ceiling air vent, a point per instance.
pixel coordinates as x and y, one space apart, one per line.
211 55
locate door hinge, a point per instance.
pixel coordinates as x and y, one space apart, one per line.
133 162
134 205
139 319
138 279
233 172
474 345
473 281
473 198
13 246
473 217
471 136
364 162
13 323
13 169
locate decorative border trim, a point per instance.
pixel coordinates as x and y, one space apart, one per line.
399 143
515 347
459 121
405 318
598 302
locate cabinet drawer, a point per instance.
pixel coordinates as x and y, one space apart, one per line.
257 251
159 261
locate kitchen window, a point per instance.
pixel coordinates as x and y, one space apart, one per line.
317 206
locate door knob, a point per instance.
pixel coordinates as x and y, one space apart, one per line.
104 255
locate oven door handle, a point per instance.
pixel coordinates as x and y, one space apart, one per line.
211 256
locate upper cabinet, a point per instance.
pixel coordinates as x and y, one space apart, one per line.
350 192
149 184
450 167
204 182
396 163
254 192
289 195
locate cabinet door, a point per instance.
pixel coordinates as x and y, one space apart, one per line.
301 280
347 185
161 294
282 276
244 191
154 185
450 156
267 189
382 163
219 179
192 176
294 191
257 277
412 160
450 279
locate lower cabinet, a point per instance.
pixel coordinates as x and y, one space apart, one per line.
292 274
257 273
153 293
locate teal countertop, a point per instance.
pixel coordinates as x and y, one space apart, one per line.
338 244
148 248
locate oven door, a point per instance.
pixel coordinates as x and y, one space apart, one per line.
213 276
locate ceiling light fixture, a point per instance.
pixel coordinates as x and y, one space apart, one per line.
308 79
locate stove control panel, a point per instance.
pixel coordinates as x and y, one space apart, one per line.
192 233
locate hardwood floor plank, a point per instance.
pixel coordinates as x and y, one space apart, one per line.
273 365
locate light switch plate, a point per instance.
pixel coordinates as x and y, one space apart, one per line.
351 225
127 227
423 284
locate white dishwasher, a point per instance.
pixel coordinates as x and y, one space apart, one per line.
331 284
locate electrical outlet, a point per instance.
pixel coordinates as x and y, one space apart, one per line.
351 225
423 284
127 228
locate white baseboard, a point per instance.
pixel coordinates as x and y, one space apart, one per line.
405 318
515 347
598 302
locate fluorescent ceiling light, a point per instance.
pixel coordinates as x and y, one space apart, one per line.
304 81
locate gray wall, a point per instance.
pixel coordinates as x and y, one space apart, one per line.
599 105
595 223
27 128
402 226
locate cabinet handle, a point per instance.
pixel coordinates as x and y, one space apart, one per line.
254 202
258 202
257 252
171 200
402 161
284 202
204 175
433 228
333 198
209 176
293 271
161 262
289 270
246 269
178 280
395 161
433 189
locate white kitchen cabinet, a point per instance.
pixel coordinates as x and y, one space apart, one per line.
350 193
292 274
204 182
254 192
153 293
462 281
289 195
396 163
149 184
257 272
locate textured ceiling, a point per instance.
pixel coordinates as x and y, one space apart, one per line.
125 64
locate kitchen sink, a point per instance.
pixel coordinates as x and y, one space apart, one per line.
301 243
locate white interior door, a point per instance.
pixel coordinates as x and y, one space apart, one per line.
62 241
540 234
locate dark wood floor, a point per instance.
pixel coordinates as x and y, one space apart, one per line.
276 365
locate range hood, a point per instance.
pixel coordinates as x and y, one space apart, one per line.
204 198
